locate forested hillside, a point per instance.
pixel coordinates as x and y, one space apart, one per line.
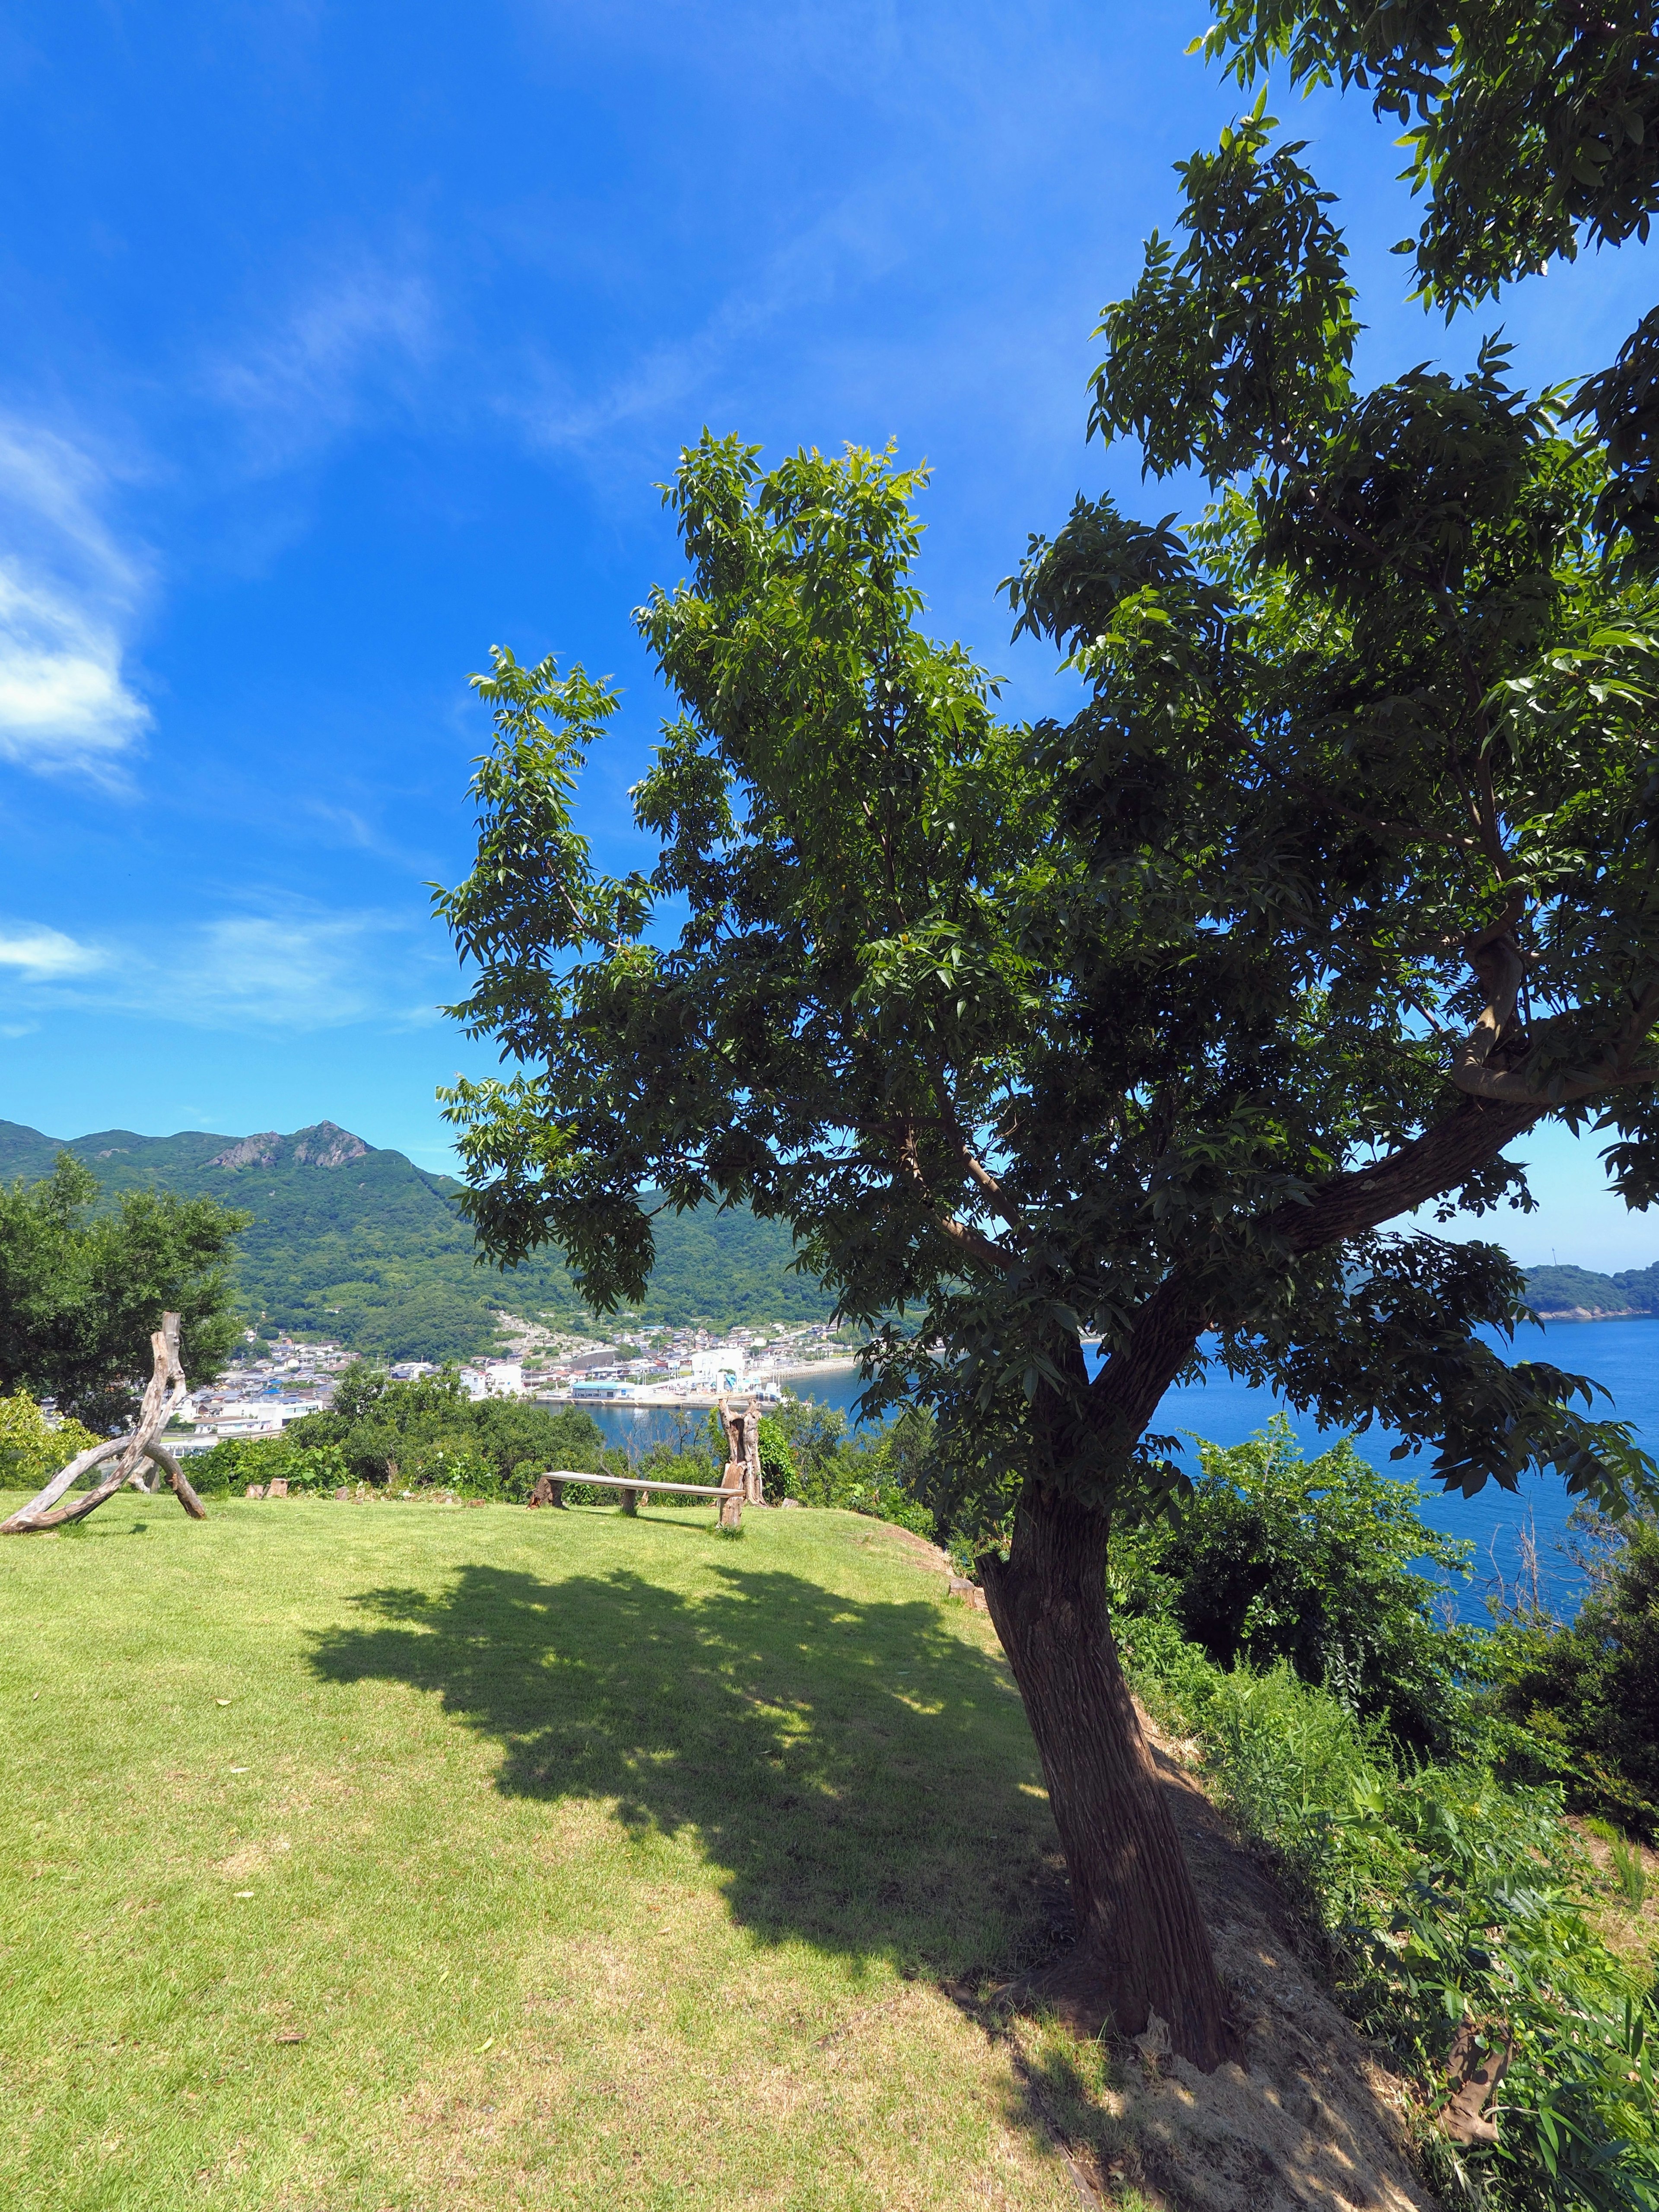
363 1245
1582 1291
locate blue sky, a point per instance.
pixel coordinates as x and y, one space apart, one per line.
343 341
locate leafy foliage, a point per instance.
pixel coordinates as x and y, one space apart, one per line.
32 1450
419 1434
1258 311
1447 1896
81 1293
1584 1694
1532 133
1275 1556
1530 130
888 1471
1176 1063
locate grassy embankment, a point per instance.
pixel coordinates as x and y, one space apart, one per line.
405 1855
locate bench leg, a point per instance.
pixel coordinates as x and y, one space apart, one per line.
631 1501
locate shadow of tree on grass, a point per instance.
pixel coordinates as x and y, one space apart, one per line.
865 1778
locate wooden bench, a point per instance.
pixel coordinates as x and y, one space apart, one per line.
550 1490
741 1420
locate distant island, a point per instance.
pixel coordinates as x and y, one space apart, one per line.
1580 1294
356 1243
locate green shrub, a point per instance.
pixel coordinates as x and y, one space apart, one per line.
31 1449
1583 1698
236 1461
429 1434
885 1472
777 1461
422 1435
1275 1556
1445 1895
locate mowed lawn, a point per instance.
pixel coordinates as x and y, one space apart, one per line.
374 1856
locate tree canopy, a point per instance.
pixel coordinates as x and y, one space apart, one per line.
1143 1027
80 1292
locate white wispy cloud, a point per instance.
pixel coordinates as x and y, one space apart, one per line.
289 967
306 377
68 597
44 955
854 241
289 971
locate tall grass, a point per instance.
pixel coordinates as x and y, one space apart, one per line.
1630 1870
1446 1898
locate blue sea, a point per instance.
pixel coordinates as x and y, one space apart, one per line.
1622 1356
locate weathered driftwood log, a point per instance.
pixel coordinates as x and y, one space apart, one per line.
741 1422
163 1396
732 1494
751 1457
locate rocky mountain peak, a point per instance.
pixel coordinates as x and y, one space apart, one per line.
257 1152
324 1144
327 1145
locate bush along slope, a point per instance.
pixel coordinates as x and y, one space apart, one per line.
1317 1563
1456 1903
889 1470
1582 1697
408 1437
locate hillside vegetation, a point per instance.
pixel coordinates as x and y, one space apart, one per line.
359 1243
1582 1290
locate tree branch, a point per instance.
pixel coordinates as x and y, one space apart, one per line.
977 1171
965 1238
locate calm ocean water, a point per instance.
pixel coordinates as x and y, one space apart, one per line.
1622 1356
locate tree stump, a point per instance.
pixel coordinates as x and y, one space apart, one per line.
164 1394
732 1485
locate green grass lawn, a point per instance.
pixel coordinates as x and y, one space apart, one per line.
405 1855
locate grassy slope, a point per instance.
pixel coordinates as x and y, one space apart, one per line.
598 1862
374 1252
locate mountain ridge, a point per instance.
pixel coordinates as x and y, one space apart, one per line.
354 1241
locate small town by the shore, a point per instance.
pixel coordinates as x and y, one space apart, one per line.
272 1381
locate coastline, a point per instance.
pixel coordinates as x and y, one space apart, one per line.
659 1397
1585 1313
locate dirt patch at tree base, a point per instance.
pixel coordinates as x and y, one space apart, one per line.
1311 2118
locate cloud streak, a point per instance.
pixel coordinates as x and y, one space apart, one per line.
46 955
303 382
69 595
292 969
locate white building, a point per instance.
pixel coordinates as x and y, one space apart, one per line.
720 1370
494 1378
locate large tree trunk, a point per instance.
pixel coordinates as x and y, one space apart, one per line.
1142 1946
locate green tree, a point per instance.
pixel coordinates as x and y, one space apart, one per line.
31 1449
1143 1027
80 1292
428 1433
1584 1694
1314 1561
